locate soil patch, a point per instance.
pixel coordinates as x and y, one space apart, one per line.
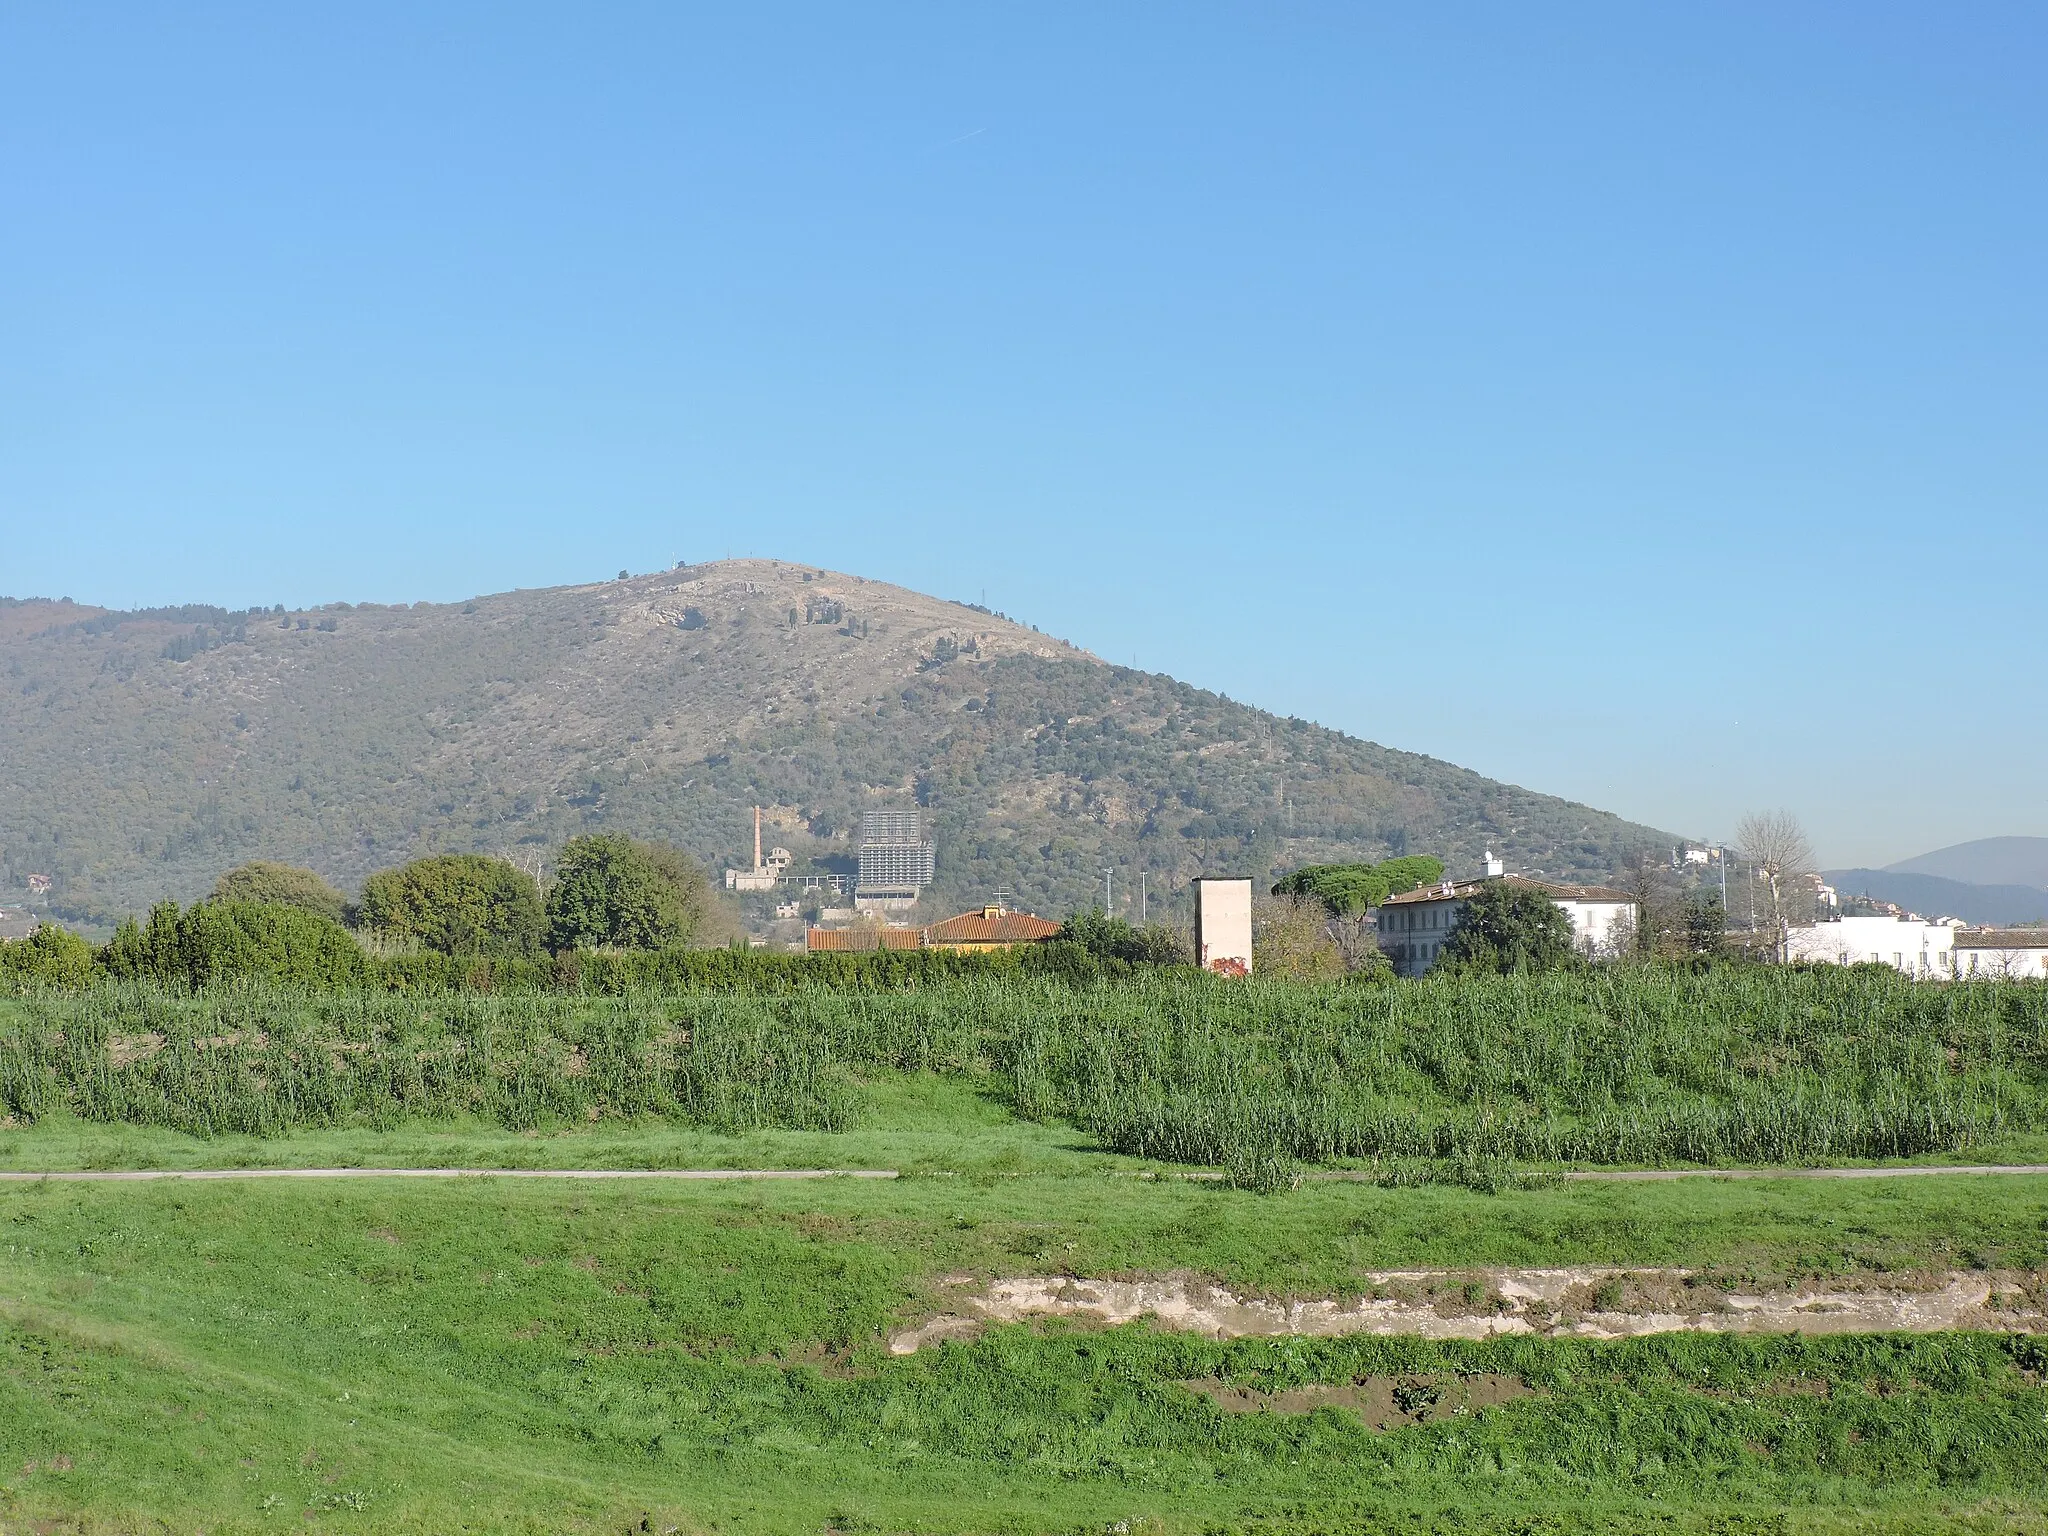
1579 1302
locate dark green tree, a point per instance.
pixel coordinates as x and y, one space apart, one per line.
1091 945
1706 924
1348 889
283 885
613 892
1112 938
1345 889
457 903
1506 926
1409 871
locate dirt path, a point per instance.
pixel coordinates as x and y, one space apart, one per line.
1656 1175
1582 1302
115 1175
31 1175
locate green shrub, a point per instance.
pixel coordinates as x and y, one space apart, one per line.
611 891
1091 945
284 885
50 957
456 904
267 941
217 941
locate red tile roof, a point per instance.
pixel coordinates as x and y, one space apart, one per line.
991 925
860 940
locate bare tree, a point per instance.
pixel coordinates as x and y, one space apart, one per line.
1776 847
1358 940
1290 938
1655 930
534 859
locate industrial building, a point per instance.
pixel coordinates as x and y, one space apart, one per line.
896 860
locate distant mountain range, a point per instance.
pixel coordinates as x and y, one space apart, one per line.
1995 880
1987 861
141 753
1932 896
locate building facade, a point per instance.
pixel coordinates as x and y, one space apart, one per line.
2009 954
1906 944
1414 925
896 860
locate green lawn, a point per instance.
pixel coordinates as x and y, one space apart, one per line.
529 1355
525 1355
914 1122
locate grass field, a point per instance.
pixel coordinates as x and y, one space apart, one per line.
496 1356
539 1356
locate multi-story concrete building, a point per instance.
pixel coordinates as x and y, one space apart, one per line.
896 860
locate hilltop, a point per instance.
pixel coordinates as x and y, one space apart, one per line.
1987 861
149 750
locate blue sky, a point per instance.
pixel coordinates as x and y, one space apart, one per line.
1644 404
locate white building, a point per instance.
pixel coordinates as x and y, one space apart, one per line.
2013 954
1223 926
766 872
1415 924
1906 944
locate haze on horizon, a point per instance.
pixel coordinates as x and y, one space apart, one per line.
1643 408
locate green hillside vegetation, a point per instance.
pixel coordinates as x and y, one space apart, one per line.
150 751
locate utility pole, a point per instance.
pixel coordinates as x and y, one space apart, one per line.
1108 901
1142 914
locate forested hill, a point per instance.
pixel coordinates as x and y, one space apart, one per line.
145 752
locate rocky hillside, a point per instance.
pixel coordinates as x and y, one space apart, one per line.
144 752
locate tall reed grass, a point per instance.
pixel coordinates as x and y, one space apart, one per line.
1617 1067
